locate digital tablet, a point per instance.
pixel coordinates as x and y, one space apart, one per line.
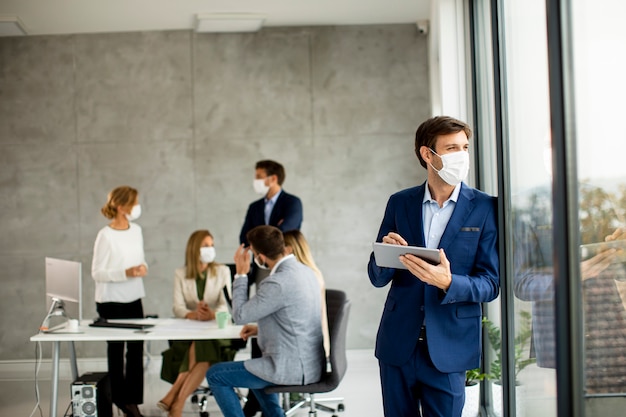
592 249
387 255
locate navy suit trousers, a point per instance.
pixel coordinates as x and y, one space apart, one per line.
418 385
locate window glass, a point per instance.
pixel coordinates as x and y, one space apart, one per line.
599 43
530 270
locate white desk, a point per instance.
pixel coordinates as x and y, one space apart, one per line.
164 329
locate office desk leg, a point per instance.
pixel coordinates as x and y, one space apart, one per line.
73 364
54 391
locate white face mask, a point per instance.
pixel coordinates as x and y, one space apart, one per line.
260 187
207 254
259 264
134 213
455 166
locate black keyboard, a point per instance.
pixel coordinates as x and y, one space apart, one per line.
100 322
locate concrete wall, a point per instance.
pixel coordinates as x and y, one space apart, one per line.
183 117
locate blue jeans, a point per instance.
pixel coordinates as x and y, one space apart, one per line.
224 376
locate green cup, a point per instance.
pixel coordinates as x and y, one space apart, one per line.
223 319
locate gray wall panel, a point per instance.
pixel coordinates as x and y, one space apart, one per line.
369 79
36 90
133 86
252 84
183 117
39 198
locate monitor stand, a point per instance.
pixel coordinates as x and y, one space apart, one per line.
57 309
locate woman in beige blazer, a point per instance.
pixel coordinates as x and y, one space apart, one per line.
198 295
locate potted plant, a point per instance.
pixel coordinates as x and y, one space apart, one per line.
472 392
521 341
474 376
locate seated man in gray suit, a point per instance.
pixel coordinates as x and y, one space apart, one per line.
286 308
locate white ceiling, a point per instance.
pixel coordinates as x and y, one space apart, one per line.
50 17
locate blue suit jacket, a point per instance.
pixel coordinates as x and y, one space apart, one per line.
286 215
453 319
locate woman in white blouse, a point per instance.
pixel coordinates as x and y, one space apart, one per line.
118 268
198 295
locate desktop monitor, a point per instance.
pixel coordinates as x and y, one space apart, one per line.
64 282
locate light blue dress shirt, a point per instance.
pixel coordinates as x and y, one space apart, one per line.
269 205
436 218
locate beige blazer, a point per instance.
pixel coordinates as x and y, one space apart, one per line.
186 291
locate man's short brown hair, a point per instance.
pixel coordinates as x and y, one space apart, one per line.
272 168
429 130
267 240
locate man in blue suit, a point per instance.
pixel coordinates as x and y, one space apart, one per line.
430 330
277 208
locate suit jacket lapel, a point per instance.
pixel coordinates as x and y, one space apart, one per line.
276 211
464 207
191 289
413 212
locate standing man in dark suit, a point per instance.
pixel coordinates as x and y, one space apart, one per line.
430 329
277 208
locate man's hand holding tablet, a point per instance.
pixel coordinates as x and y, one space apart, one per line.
388 255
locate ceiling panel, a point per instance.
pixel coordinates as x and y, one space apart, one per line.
47 17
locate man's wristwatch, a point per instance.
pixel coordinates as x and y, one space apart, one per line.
241 276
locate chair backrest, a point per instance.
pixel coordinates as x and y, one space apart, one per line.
229 301
338 308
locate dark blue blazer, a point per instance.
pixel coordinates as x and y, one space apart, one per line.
286 215
453 319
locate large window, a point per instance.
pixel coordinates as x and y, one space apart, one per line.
588 62
599 46
526 109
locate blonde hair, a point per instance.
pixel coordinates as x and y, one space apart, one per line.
192 255
301 250
123 196
300 247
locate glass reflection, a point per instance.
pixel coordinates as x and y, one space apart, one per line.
601 145
530 216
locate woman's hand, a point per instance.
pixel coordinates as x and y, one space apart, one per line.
136 271
203 312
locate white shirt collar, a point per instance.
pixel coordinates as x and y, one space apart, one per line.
453 197
283 259
274 198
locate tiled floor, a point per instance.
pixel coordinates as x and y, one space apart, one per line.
359 388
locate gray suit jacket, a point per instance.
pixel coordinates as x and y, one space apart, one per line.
287 308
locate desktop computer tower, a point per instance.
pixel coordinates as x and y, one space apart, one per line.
91 395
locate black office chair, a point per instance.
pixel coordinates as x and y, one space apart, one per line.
338 307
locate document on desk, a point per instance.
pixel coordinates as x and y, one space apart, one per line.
185 325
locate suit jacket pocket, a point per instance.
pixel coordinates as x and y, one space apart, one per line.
468 311
462 252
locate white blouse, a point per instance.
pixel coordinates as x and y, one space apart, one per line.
114 252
